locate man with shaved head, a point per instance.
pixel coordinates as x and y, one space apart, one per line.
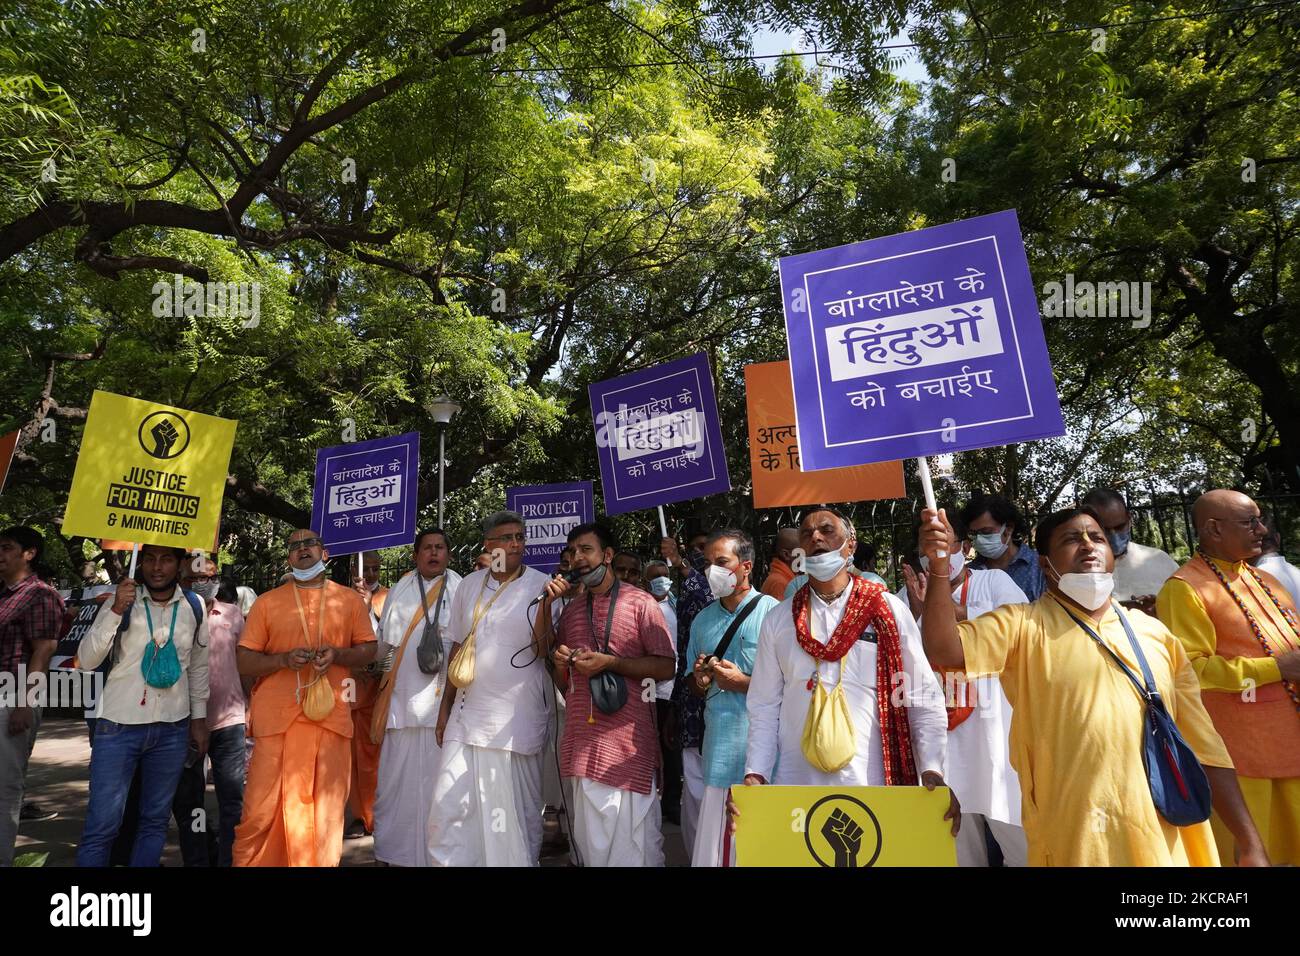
307 631
1239 627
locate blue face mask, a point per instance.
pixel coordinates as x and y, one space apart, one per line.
660 586
823 567
316 570
991 545
1119 540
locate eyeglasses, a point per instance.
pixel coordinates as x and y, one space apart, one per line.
1248 523
305 543
520 537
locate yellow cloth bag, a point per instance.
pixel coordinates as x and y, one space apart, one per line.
318 702
460 670
828 739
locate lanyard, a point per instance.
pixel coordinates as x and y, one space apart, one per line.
302 618
480 611
609 616
424 601
965 586
149 619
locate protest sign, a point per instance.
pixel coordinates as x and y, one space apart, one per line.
149 473
658 437
365 494
550 512
922 343
843 826
774 452
8 445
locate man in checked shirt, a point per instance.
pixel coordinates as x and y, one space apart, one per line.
31 615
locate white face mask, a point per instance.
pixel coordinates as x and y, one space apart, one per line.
307 574
722 581
660 586
823 567
956 562
991 545
1090 589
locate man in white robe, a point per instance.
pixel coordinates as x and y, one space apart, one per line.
488 792
406 713
979 756
779 694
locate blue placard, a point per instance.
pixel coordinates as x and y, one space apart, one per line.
365 494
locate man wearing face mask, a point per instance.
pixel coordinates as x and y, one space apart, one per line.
226 717
781 572
993 524
609 650
720 675
1078 725
656 580
685 728
301 640
844 633
154 702
979 717
1140 572
1239 627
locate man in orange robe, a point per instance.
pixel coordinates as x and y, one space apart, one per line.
1239 627
365 755
306 630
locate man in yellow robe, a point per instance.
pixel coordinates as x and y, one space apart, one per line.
1078 722
307 630
1238 625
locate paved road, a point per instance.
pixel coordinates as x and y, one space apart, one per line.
58 778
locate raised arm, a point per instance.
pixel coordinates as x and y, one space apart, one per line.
939 613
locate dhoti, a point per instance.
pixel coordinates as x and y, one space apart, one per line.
293 800
614 827
1274 805
487 808
713 846
408 767
692 794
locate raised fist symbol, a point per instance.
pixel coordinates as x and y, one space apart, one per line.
844 836
164 436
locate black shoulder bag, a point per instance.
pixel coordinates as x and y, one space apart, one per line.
428 653
608 690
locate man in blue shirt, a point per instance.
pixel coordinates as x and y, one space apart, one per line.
994 525
720 675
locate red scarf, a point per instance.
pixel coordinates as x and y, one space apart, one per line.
867 606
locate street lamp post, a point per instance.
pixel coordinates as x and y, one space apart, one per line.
443 410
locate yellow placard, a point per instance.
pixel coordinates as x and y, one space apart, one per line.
149 473
843 826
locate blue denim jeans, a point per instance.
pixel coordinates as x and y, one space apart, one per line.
158 750
226 750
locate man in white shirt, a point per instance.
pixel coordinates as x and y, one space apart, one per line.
1274 563
979 717
833 631
1140 571
154 704
415 639
487 797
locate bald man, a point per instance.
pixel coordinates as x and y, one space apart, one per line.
1239 627
305 631
781 571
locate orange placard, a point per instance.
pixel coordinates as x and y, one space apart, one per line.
774 453
8 445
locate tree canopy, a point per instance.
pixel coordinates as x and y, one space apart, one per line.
504 202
